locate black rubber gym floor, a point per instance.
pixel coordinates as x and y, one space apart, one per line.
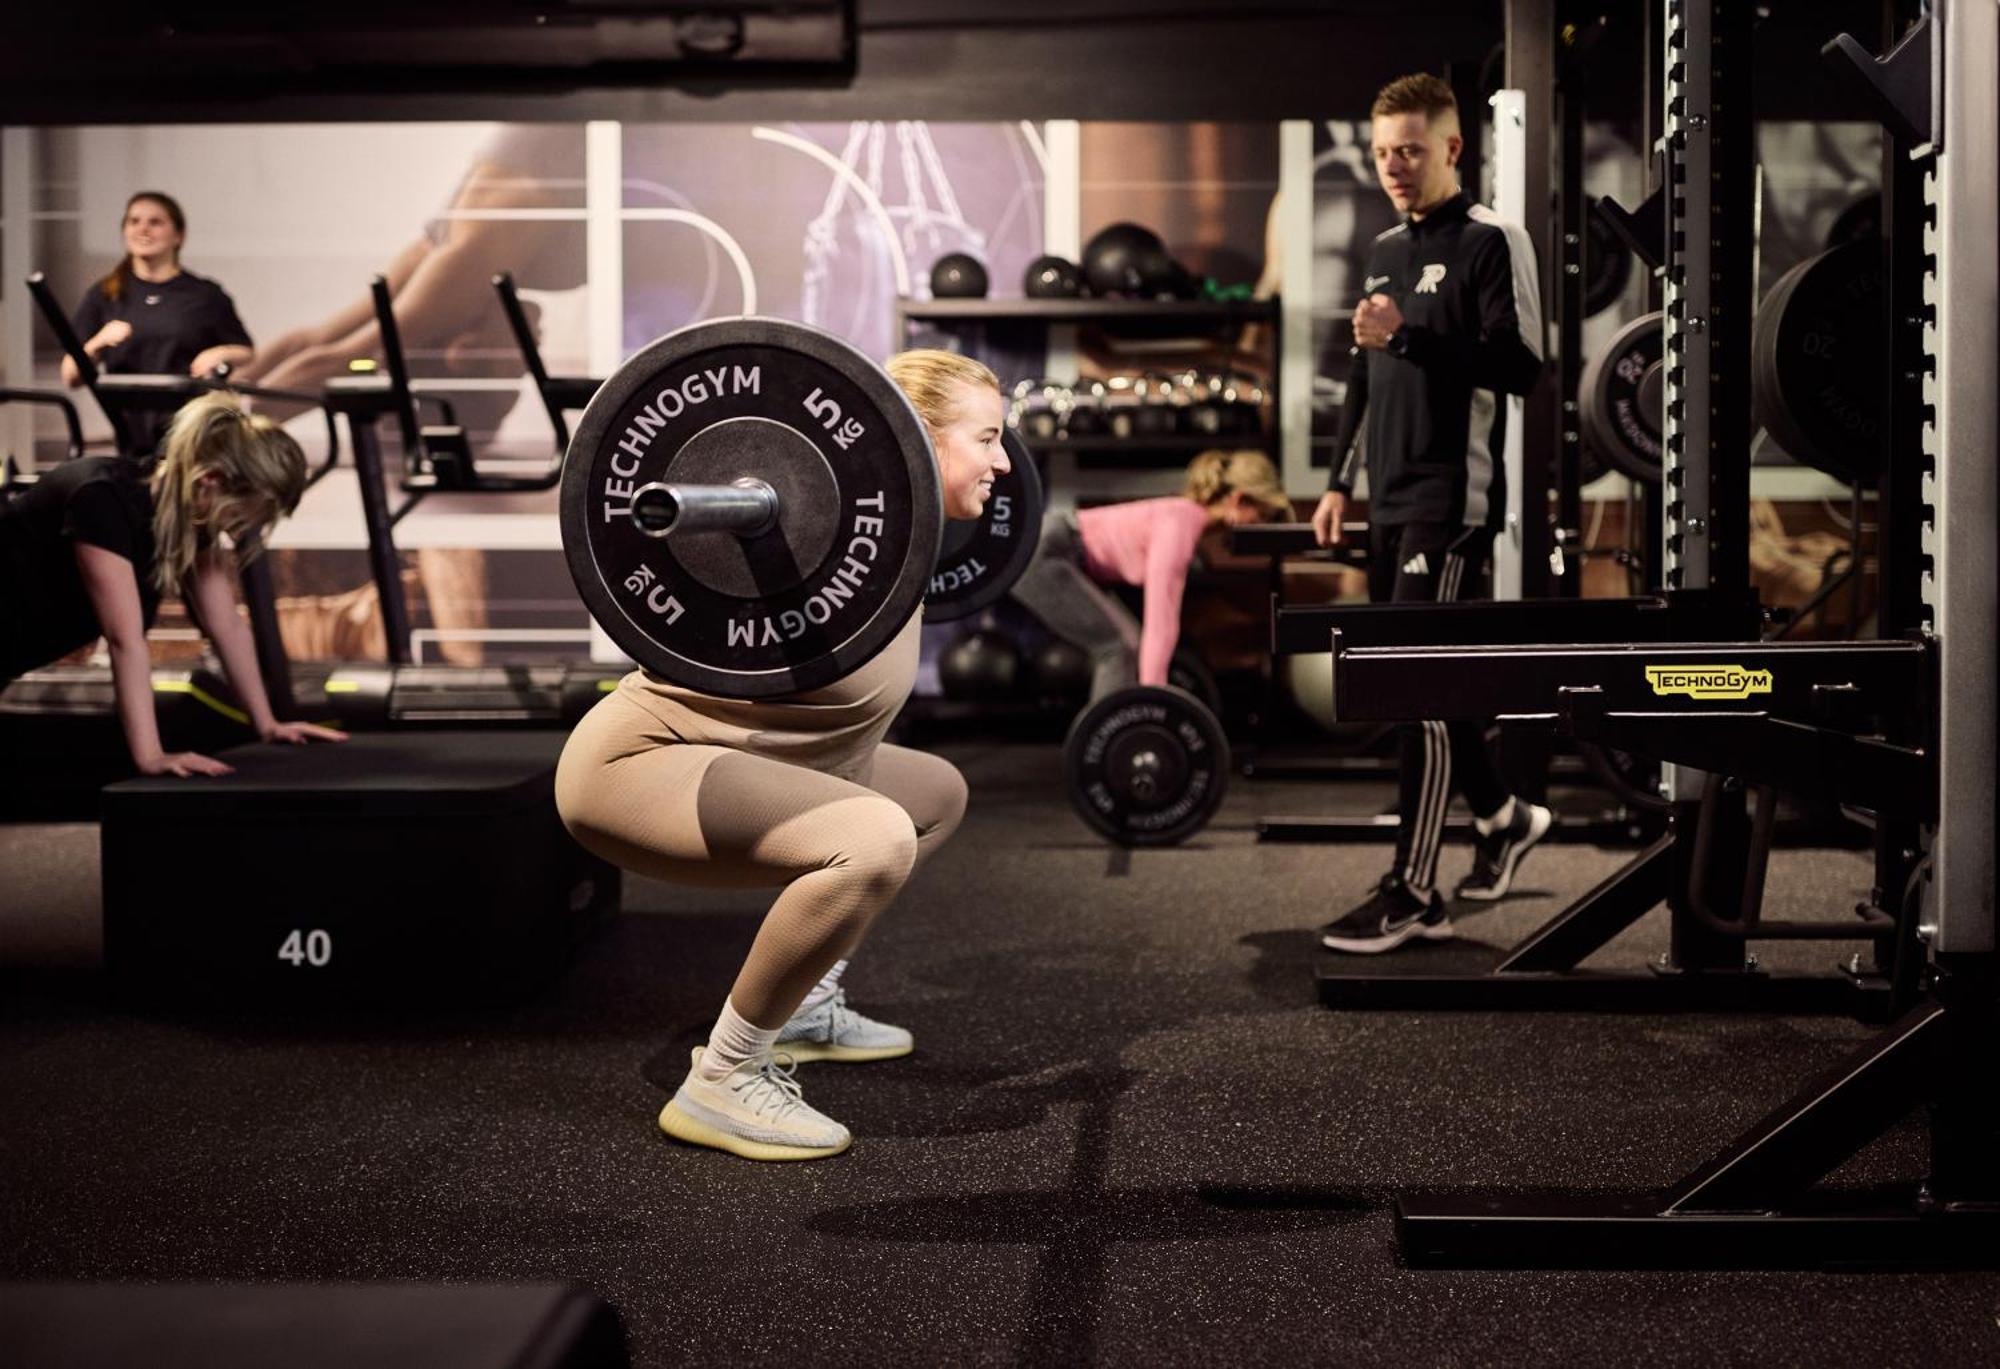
1130 1135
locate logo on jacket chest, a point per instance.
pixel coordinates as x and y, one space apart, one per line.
1432 277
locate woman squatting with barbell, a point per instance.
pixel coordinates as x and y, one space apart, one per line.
799 792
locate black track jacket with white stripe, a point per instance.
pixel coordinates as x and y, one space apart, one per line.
1465 281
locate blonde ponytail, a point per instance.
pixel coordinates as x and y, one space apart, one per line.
260 474
1217 473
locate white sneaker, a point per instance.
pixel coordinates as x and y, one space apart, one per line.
756 1111
834 1031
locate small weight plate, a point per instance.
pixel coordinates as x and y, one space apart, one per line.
982 557
1146 766
802 604
1622 397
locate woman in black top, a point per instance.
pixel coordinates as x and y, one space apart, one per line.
90 549
149 316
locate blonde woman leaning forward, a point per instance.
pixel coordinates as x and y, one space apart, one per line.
90 549
796 794
1148 543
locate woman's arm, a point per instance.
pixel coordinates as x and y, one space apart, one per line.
441 291
212 595
1169 550
113 588
99 342
213 599
320 337
233 355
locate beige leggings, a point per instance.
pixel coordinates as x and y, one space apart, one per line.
725 819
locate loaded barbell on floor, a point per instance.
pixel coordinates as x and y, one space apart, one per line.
1146 765
750 508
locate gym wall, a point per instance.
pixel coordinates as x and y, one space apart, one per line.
716 216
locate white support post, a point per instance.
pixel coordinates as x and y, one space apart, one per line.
1062 236
1295 355
1963 490
604 270
17 320
1510 202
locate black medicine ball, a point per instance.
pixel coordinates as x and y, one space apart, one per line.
1112 259
1161 277
1061 673
980 666
1052 278
957 276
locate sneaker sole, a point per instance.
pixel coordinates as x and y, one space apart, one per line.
850 1055
1498 890
682 1127
1441 931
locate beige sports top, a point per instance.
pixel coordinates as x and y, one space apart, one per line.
834 730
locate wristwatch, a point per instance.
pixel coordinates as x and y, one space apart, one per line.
1399 343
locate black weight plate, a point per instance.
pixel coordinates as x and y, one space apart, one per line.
1764 361
982 557
1146 766
1818 359
1589 465
820 593
1607 266
1621 398
1187 670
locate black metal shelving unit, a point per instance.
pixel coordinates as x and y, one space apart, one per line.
1127 317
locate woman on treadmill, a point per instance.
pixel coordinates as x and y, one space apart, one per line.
150 316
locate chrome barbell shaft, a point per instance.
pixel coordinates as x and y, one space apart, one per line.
745 507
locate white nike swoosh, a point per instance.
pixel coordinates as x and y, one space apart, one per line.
1374 281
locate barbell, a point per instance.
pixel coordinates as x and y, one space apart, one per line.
750 508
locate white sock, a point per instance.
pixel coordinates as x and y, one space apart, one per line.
735 1041
823 990
1488 826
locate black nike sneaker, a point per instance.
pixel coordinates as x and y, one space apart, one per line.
1391 916
1497 855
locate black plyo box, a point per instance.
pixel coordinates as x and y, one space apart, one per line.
411 866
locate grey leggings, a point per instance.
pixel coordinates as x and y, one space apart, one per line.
1059 591
725 819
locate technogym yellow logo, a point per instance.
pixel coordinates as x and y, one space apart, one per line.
1708 681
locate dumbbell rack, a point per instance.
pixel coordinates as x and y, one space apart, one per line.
1125 316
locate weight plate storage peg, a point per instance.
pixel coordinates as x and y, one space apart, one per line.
982 557
1146 766
750 508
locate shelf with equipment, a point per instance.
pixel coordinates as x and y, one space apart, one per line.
1015 320
1206 312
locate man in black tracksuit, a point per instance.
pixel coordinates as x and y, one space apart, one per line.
1450 324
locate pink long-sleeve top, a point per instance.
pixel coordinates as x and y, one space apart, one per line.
1149 543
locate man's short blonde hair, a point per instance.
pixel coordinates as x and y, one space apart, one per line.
1420 93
